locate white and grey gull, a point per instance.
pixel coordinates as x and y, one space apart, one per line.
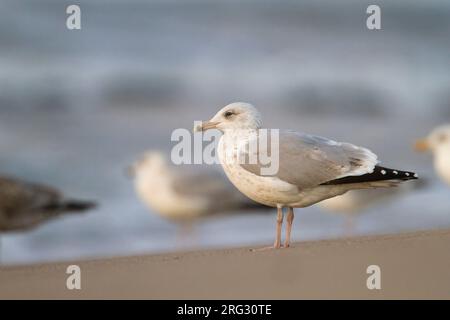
310 168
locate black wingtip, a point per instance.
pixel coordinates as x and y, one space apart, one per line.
392 174
379 174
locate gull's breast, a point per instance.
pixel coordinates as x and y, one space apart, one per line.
268 190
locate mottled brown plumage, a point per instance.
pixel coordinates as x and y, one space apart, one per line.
24 205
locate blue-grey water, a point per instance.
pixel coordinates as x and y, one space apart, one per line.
76 107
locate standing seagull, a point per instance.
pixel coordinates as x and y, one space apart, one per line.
438 142
311 168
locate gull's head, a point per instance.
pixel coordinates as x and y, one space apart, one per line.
437 140
150 162
237 115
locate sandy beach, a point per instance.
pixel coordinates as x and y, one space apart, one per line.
413 265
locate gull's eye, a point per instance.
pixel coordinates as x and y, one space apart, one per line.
228 114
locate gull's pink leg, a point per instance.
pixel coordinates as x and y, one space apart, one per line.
290 219
277 243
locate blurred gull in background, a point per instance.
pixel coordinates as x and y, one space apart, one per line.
356 202
25 205
438 142
185 194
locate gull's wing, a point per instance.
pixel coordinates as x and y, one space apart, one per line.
308 161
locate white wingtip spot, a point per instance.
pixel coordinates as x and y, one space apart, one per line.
395 172
383 172
416 175
407 174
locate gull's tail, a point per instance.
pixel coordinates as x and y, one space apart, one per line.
71 206
379 174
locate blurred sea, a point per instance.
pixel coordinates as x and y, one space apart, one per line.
76 107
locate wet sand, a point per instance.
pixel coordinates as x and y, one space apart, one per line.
413 265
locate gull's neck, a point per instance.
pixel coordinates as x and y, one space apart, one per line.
237 132
232 142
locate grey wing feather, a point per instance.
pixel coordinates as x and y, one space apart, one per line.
307 161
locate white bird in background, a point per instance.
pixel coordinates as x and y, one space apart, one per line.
185 194
311 168
356 202
25 205
438 142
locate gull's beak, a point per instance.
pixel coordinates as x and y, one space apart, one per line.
206 125
421 145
